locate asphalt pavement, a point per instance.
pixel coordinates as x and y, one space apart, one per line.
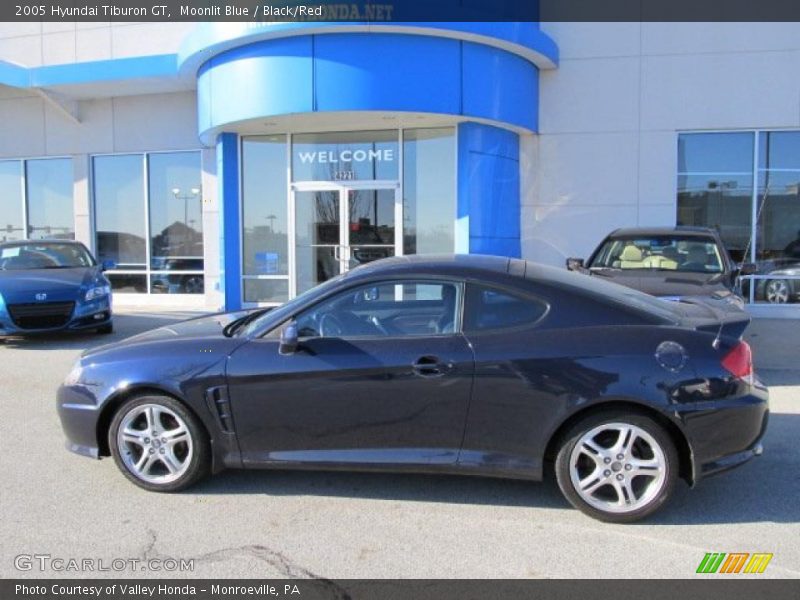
271 524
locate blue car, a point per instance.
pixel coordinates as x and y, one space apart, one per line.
51 286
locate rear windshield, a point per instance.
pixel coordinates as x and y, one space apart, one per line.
661 253
20 257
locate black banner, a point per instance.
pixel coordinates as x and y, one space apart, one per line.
389 11
733 588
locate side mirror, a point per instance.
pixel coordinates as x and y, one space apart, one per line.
574 264
748 269
289 342
108 265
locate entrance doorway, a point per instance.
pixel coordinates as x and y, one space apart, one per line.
338 226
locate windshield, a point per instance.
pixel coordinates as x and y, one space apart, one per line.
283 311
661 253
21 257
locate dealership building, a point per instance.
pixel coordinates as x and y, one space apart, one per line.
239 164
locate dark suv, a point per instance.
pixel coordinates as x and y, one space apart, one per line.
671 262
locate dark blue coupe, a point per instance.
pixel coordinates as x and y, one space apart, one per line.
50 286
461 364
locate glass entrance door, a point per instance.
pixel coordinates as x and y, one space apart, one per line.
338 227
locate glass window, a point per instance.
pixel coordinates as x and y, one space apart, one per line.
429 190
715 185
119 210
777 236
264 213
44 255
266 290
489 308
49 190
176 222
347 156
11 205
385 310
663 253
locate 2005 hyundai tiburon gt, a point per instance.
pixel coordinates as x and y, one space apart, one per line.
455 364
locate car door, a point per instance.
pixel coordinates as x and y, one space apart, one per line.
381 375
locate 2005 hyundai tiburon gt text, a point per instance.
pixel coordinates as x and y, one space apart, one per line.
452 364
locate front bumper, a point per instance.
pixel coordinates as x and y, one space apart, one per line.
79 415
86 315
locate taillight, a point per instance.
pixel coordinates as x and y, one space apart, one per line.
739 362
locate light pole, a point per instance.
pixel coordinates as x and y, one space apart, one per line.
193 193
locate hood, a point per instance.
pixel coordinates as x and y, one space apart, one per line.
199 327
666 283
58 284
203 328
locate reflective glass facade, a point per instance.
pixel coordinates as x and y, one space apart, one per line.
747 186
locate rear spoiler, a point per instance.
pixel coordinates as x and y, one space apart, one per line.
715 316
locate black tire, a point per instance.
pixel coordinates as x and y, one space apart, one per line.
199 465
106 329
660 494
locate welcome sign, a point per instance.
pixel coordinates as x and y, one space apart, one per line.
345 156
353 156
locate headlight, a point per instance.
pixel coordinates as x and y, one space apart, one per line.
75 374
97 292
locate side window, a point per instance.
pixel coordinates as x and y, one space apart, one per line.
489 308
389 309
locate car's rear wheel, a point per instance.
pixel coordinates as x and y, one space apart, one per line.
777 291
616 466
159 444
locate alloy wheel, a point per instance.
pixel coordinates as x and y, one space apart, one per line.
617 467
777 291
154 443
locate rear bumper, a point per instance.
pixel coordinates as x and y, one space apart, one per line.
729 433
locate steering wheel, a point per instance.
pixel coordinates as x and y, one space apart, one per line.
378 325
330 326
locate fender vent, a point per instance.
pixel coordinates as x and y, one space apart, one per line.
220 406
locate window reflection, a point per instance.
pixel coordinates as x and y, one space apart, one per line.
429 195
777 242
715 189
119 210
50 207
11 220
176 223
715 186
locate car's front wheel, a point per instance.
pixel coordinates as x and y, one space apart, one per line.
159 444
616 466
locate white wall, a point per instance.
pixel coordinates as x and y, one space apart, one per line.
36 44
611 113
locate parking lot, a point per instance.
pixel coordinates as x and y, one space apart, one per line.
337 525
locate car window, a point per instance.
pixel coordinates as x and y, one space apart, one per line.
390 309
44 256
488 308
663 253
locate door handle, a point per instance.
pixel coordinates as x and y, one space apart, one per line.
430 366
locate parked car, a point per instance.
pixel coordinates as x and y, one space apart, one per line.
670 262
783 285
457 364
177 283
51 286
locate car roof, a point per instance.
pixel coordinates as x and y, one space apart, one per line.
440 264
684 230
